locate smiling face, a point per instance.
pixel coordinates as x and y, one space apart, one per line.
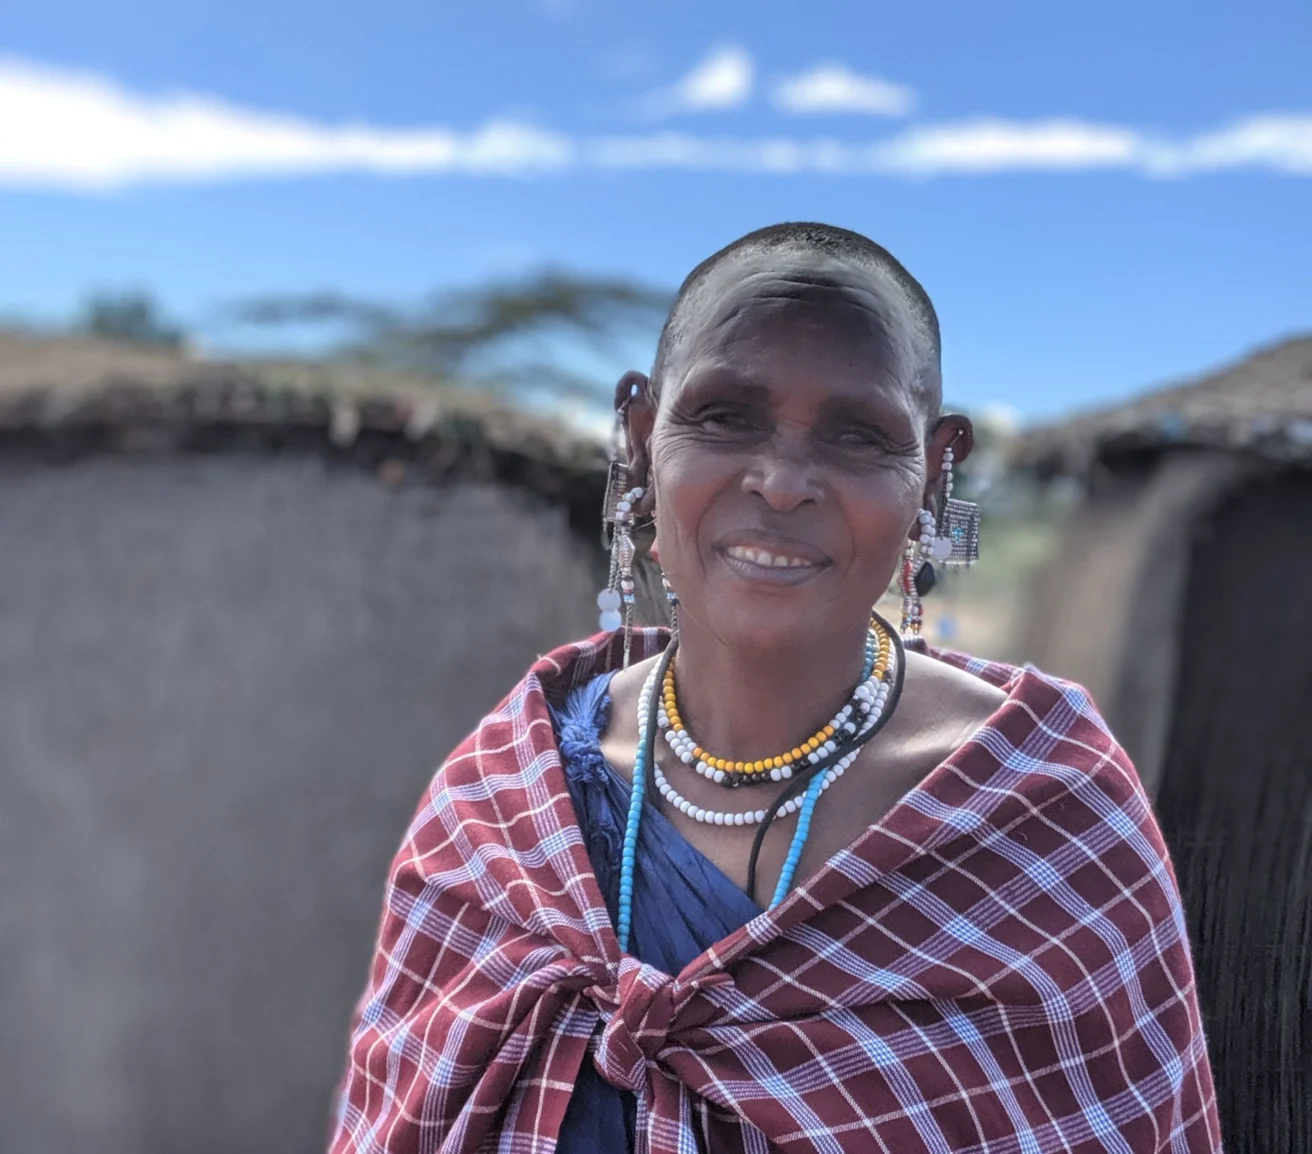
787 449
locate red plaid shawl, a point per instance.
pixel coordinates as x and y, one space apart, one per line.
999 965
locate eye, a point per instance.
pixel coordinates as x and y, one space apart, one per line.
860 437
724 417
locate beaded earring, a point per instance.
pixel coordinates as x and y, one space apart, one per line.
958 523
950 539
616 600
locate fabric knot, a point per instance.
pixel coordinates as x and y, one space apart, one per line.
579 750
637 1013
579 725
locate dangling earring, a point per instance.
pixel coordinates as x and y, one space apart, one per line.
616 600
673 599
918 576
951 540
958 523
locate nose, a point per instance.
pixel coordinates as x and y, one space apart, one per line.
785 476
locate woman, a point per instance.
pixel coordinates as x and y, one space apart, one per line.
883 900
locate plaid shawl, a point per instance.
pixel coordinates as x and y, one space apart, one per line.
999 965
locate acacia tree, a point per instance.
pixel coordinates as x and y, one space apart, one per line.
128 316
550 331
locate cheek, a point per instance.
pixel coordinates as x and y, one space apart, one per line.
879 514
688 480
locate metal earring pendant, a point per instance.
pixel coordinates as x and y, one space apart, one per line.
617 599
958 524
673 599
608 600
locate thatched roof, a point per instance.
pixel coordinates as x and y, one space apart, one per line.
1261 405
61 398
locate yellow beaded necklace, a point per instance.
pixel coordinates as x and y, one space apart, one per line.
747 770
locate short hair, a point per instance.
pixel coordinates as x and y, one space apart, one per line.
826 240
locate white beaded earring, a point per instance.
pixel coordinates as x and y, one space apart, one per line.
958 523
918 577
616 600
951 539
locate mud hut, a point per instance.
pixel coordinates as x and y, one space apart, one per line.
243 610
1180 596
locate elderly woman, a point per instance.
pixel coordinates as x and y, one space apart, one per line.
777 881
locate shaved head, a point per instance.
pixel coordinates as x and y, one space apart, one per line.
817 247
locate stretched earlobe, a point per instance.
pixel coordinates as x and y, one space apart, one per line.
636 412
631 387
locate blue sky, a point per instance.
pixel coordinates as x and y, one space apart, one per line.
1098 197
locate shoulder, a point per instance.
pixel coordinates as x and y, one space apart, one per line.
619 732
1035 714
943 697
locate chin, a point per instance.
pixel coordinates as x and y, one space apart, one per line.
765 622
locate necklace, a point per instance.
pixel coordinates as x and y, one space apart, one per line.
823 743
822 772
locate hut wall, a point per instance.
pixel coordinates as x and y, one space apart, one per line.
1235 806
226 682
1105 612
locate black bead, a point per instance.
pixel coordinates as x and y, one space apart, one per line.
925 579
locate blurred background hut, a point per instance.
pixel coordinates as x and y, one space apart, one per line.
246 604
244 608
1179 594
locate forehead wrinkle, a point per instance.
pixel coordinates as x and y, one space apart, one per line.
731 289
879 319
846 283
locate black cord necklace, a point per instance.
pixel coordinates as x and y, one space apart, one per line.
799 782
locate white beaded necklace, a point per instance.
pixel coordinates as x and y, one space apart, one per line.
857 717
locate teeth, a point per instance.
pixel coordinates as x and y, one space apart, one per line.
766 559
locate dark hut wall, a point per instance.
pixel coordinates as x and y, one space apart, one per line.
226 681
1105 612
1235 804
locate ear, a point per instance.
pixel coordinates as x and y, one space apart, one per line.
951 431
637 409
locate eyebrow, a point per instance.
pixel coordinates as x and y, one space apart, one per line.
870 408
863 406
723 377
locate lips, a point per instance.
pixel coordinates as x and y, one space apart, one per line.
772 559
768 558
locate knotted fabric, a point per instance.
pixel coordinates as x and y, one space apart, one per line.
998 966
637 1011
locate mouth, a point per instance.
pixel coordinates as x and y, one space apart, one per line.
777 563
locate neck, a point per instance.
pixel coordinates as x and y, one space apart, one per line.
748 704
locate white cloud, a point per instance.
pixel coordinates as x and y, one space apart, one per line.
990 145
979 146
1281 144
722 81
1274 142
679 150
65 130
71 130
834 88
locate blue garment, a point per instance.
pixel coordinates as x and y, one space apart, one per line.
682 903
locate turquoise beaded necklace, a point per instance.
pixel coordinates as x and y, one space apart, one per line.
647 709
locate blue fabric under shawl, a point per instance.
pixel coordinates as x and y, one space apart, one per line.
682 903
